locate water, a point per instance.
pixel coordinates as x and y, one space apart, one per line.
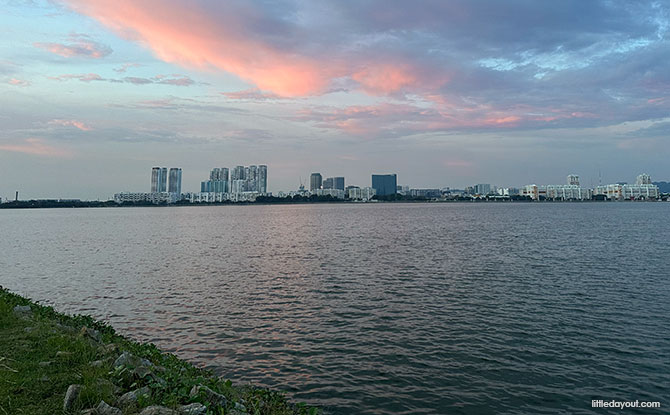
376 309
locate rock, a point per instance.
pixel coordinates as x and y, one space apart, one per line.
23 311
63 354
129 399
127 359
211 397
193 409
45 364
87 412
109 348
240 407
97 363
91 334
71 396
104 409
29 329
158 410
104 383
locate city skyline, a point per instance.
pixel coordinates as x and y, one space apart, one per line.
443 94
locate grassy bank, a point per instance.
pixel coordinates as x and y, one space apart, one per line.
43 353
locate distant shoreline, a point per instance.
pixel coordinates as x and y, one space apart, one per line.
54 204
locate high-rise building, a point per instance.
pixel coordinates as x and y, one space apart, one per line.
263 178
338 183
482 189
327 184
573 180
644 178
237 173
315 181
384 184
158 179
174 186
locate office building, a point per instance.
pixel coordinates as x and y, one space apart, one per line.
328 183
174 185
573 180
315 181
338 183
384 184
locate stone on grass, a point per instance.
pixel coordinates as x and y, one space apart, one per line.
104 409
109 348
193 409
129 399
71 396
158 410
127 359
23 311
91 334
63 354
210 396
45 364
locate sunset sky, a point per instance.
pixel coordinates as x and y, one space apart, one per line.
443 93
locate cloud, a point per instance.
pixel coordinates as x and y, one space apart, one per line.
449 65
88 77
176 79
123 68
35 146
252 94
79 46
18 82
71 123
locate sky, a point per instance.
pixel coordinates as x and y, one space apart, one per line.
452 93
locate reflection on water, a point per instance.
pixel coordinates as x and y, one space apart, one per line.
389 308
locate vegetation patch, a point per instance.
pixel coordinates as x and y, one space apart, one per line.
52 363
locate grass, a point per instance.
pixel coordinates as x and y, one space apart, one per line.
43 352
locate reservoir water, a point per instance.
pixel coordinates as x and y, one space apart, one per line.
377 308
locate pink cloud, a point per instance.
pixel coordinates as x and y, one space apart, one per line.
18 82
71 123
80 46
186 34
36 147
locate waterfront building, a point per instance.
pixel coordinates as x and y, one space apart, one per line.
568 192
425 193
237 173
151 197
263 179
385 184
327 184
643 179
573 180
642 189
338 183
482 189
315 181
357 193
158 179
174 185
336 193
530 190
